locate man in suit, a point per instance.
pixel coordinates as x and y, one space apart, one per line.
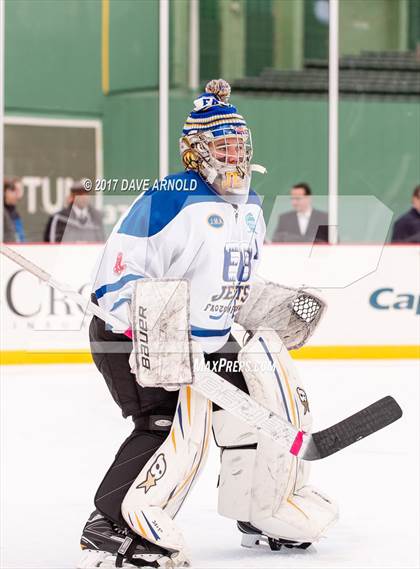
78 222
407 227
304 224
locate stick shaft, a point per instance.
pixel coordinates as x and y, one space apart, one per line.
24 262
67 290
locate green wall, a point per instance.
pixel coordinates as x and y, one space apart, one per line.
53 56
54 53
371 26
414 23
365 25
133 44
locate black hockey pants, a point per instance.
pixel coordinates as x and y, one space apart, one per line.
145 405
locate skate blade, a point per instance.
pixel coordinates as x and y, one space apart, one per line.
251 540
93 559
255 540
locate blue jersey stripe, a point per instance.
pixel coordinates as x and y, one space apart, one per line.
111 287
119 302
206 333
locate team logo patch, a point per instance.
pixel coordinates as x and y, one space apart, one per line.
119 266
215 220
155 473
250 221
303 399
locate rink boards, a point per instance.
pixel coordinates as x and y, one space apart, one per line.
372 294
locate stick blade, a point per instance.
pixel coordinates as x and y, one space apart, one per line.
356 427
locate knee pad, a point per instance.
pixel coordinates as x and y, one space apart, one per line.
259 482
161 487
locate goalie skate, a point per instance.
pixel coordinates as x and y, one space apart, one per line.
107 545
253 537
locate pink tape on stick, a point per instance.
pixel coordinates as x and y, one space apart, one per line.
297 444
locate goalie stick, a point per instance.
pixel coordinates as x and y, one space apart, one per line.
303 445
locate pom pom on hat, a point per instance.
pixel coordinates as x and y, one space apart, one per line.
212 111
220 88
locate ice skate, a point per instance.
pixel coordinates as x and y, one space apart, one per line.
106 545
253 537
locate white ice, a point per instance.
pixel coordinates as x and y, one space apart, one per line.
61 429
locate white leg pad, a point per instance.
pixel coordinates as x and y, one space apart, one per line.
304 516
235 483
160 489
265 485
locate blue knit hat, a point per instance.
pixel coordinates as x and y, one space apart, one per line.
213 112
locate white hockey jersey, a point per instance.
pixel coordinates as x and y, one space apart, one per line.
183 229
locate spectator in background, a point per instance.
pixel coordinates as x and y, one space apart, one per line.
12 222
407 227
78 222
304 224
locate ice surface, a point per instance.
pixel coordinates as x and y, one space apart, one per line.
61 429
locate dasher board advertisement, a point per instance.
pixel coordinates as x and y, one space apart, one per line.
377 314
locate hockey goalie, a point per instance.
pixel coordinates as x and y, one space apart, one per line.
202 228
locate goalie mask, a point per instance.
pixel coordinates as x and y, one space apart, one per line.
217 143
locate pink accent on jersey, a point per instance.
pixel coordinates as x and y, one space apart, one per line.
119 266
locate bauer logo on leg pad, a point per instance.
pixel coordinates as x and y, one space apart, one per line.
143 340
155 473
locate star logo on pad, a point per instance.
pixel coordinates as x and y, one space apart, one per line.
148 483
155 473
